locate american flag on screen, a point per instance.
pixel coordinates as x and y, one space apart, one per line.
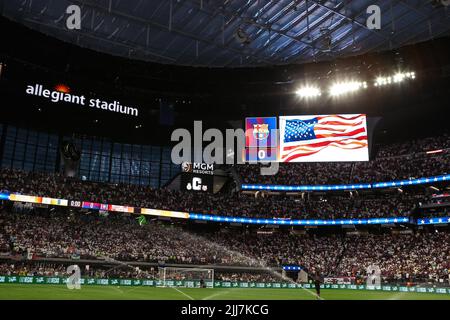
307 136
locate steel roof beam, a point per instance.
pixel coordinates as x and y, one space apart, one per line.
349 18
280 33
378 45
302 50
293 22
315 24
405 42
345 37
223 29
261 27
160 26
230 20
98 38
177 7
405 4
148 40
264 27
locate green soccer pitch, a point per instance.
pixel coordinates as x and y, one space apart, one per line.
60 292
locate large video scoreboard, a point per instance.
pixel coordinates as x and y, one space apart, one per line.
307 138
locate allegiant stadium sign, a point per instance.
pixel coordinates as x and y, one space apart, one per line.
62 94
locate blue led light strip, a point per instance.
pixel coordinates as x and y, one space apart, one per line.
291 267
4 196
315 222
401 183
355 186
287 222
439 220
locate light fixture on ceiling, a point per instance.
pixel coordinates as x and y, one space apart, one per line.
325 41
2 68
396 78
341 88
242 36
437 3
308 92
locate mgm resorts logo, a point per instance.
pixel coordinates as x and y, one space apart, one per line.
196 167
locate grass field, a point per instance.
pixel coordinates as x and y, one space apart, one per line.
60 292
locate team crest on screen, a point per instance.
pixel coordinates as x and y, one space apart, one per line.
260 131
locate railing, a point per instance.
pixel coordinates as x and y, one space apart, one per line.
217 284
227 219
102 262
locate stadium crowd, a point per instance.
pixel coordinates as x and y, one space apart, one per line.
392 162
28 232
238 204
396 161
421 256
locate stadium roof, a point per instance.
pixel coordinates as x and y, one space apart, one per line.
235 33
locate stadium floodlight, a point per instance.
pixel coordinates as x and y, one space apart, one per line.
396 78
341 88
308 92
2 67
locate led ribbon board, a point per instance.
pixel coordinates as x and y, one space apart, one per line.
438 220
287 222
165 213
305 187
401 183
356 186
4 196
214 218
291 268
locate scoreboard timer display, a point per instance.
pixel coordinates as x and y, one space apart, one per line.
261 139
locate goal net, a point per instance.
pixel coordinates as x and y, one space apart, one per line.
186 277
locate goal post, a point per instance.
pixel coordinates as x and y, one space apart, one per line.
186 277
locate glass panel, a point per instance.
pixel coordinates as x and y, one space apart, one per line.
101 159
